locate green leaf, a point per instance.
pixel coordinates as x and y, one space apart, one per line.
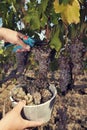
43 20
55 42
33 19
43 5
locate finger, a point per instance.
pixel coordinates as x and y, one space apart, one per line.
19 106
21 50
20 42
20 35
27 47
33 123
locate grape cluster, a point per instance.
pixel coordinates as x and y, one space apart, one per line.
76 54
42 83
42 56
65 79
71 64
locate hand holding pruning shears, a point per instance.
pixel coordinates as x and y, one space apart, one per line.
13 37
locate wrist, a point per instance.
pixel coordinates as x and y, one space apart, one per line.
1 33
4 125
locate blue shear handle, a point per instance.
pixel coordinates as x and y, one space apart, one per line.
16 48
29 41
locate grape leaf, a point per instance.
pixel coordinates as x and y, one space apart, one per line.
70 13
55 42
43 5
57 7
32 18
43 20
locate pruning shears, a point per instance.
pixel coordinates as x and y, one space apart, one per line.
27 40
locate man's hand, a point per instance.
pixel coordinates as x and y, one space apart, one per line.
14 121
13 37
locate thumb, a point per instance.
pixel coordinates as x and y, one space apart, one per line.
19 106
21 43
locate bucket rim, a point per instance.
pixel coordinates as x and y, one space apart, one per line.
31 106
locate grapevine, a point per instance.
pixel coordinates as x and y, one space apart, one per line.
21 59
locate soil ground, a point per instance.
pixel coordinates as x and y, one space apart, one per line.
70 111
